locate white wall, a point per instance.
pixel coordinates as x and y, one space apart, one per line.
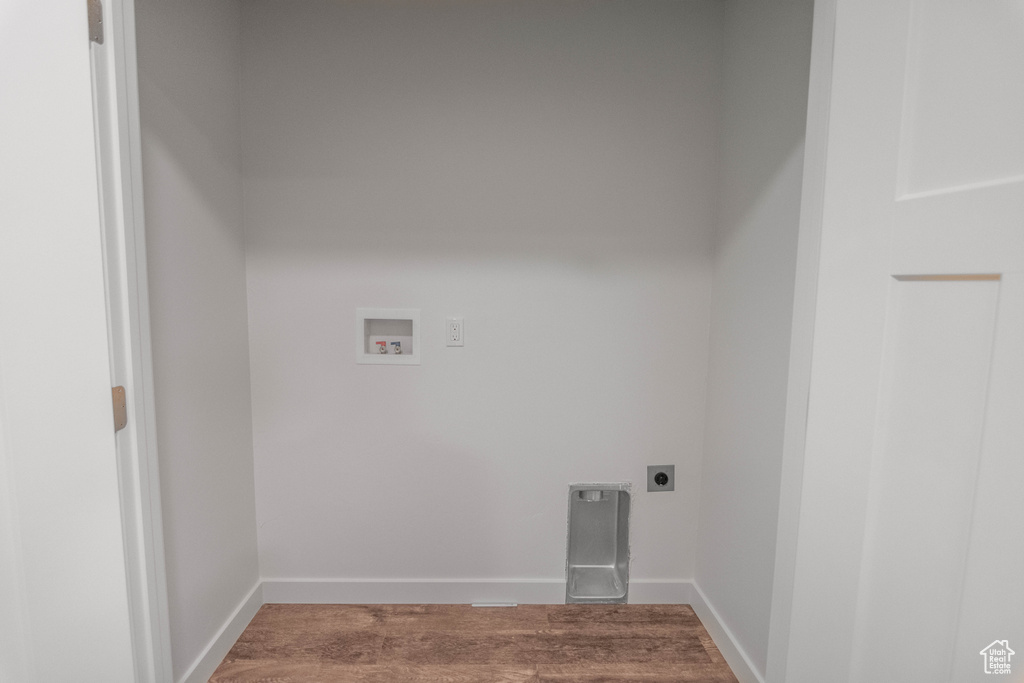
767 48
546 170
189 65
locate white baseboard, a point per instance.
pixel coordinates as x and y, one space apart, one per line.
660 592
402 591
211 657
443 591
735 655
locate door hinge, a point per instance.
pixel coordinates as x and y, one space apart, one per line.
120 409
95 21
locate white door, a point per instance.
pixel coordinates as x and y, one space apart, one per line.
64 614
910 555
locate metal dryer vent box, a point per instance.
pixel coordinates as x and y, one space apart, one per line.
597 557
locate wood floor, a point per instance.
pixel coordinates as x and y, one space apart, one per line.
463 644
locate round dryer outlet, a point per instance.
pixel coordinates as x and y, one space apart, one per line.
661 478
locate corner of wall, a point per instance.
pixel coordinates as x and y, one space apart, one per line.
767 48
225 637
736 657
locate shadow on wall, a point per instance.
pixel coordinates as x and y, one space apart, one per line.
190 119
765 76
764 108
765 219
556 131
543 129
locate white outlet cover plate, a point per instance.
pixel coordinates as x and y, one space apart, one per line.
455 332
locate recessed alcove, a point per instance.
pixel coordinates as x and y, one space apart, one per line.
606 192
387 336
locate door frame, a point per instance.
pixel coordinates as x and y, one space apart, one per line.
812 203
125 272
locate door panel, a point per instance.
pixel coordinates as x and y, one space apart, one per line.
934 380
959 54
993 593
968 231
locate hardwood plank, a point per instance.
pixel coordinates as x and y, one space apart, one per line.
669 619
350 647
460 673
420 618
709 646
319 617
264 670
452 647
626 646
353 648
651 672
588 616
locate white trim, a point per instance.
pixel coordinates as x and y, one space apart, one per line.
129 340
812 202
138 288
414 591
457 592
661 592
214 653
735 656
966 187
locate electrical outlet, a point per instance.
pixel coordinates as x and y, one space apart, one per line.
455 331
661 478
